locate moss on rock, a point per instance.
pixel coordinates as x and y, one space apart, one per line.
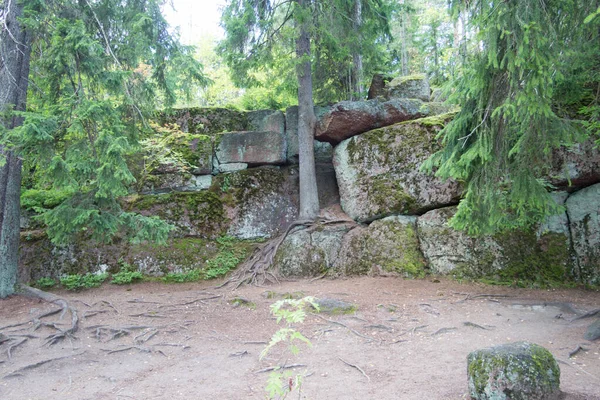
516 371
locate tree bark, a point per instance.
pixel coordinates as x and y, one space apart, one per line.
14 73
357 71
309 199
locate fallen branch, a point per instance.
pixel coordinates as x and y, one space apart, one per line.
357 367
278 367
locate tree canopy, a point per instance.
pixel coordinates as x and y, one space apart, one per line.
526 88
99 69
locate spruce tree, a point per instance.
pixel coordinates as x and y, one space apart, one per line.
500 143
98 69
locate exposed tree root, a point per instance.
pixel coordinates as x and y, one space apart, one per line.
357 367
65 307
257 270
20 371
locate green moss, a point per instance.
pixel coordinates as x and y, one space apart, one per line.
433 121
407 78
200 212
240 188
195 149
530 262
387 193
499 374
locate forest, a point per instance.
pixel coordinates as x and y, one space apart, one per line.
333 199
81 83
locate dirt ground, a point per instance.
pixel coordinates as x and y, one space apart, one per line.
409 339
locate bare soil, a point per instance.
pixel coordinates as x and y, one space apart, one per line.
409 339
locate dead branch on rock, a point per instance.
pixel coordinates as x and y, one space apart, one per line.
64 308
357 367
470 296
256 270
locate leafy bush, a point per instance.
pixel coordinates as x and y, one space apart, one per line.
228 258
78 282
45 283
182 277
126 277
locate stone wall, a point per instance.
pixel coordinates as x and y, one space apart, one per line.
214 172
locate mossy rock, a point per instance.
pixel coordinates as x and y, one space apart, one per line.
390 244
515 371
335 307
207 121
379 174
200 214
414 86
260 202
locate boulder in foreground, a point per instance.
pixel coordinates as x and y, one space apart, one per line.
514 371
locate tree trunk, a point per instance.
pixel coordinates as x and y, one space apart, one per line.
14 73
403 43
357 71
309 199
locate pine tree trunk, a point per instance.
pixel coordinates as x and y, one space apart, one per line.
309 199
357 70
14 72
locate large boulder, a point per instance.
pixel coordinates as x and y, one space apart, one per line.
379 174
408 87
205 120
40 258
583 208
350 118
259 202
541 255
575 167
252 148
515 371
266 120
198 214
310 252
405 87
387 245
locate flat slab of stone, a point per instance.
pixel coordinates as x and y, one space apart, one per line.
266 120
350 118
379 174
253 148
335 307
515 371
